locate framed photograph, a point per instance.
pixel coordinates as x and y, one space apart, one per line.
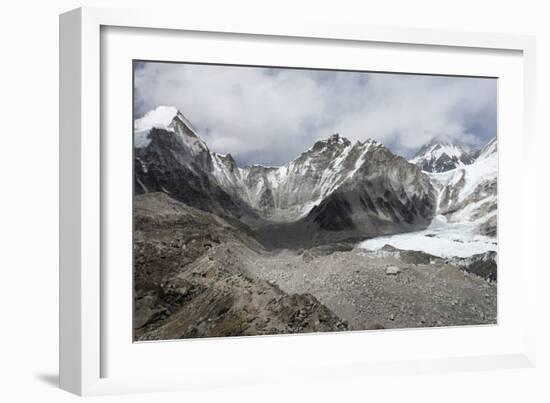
244 201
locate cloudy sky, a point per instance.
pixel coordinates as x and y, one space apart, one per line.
270 115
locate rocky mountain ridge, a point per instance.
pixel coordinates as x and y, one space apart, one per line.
334 190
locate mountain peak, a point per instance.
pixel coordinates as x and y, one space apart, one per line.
161 117
169 119
371 141
333 140
336 138
443 153
442 140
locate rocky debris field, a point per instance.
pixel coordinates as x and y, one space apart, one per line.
189 283
197 275
386 288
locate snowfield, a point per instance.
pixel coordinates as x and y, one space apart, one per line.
441 238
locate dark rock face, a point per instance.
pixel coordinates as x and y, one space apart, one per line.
489 227
483 265
334 214
266 200
445 163
166 165
386 195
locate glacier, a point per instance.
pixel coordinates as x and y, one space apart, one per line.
466 212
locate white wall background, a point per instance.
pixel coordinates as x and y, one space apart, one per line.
29 201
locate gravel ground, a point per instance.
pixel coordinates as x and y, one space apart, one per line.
197 275
356 286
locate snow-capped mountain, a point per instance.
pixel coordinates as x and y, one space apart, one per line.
348 189
464 228
289 192
170 157
443 154
469 193
169 119
384 195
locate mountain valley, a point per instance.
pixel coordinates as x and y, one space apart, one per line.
346 236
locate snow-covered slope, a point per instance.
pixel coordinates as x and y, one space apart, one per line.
469 193
443 154
289 192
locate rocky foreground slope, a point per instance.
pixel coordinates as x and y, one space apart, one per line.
386 289
196 275
188 282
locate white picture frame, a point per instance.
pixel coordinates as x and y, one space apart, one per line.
84 341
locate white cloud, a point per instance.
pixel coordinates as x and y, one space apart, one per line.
269 116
